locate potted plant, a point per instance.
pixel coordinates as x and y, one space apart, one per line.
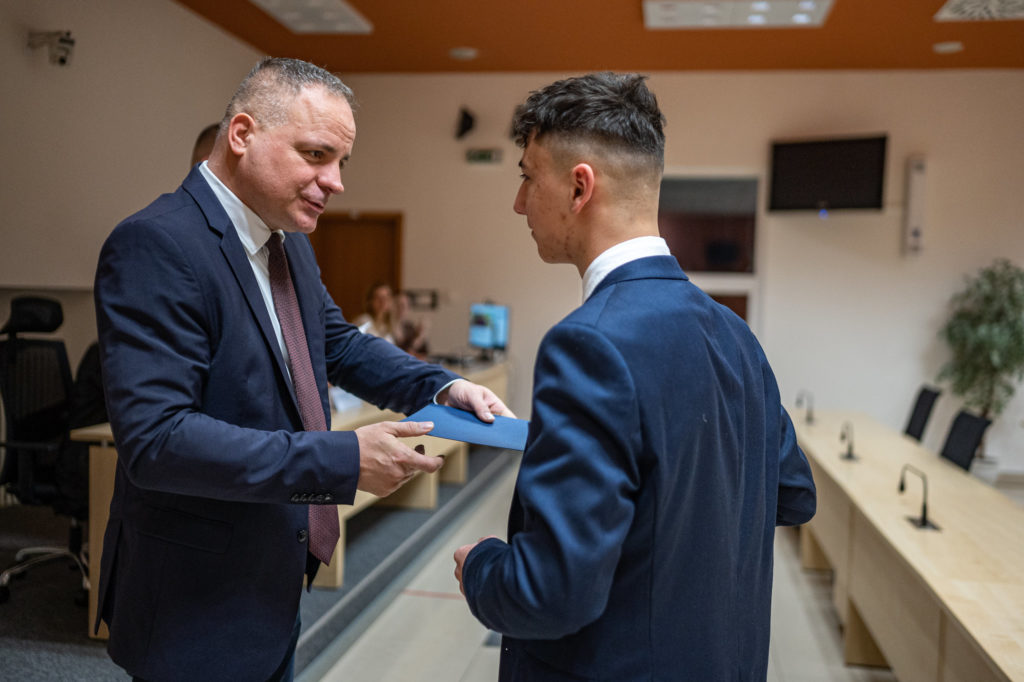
985 333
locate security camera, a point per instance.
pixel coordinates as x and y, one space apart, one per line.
59 43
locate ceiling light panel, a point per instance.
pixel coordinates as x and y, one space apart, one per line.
316 16
697 14
981 10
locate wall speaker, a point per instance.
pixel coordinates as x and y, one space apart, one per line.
464 124
914 205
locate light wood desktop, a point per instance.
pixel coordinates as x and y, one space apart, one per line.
420 493
943 604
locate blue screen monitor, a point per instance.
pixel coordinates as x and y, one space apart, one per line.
488 326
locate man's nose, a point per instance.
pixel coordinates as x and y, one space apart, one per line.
330 180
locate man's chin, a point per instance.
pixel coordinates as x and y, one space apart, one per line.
305 226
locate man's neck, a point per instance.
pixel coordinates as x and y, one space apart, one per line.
603 239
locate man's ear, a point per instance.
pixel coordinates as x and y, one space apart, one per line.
582 186
240 130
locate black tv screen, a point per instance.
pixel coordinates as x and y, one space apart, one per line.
825 175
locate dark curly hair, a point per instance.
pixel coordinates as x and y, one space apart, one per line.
615 111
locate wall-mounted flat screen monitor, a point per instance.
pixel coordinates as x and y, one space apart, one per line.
488 326
827 174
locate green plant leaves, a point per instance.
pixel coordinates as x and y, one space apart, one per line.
985 333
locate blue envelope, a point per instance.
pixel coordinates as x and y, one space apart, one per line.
456 424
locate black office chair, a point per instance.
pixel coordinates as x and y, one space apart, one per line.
36 387
926 398
964 438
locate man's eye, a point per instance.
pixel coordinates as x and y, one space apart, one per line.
315 154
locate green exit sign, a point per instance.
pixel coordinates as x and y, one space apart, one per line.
483 155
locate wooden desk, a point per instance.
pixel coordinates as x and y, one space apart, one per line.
421 492
942 605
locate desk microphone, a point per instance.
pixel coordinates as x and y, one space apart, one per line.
922 523
810 404
846 436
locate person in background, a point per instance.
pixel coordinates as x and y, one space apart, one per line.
204 143
217 340
378 313
410 334
659 458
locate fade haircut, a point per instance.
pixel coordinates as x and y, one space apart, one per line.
615 113
273 84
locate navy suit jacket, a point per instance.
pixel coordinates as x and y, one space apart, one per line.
205 550
658 463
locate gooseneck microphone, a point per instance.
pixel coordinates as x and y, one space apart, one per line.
800 397
846 436
921 522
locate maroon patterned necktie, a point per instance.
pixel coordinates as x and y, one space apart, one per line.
323 518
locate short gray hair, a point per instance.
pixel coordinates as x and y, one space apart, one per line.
268 90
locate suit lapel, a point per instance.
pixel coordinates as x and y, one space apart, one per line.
238 261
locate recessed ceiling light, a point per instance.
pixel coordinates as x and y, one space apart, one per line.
316 16
948 47
980 10
464 54
693 14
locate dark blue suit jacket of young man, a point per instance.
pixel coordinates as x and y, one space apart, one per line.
658 463
205 550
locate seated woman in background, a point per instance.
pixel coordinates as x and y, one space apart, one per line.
377 319
410 335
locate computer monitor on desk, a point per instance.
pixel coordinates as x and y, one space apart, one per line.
488 328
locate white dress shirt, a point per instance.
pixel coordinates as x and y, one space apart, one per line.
620 254
254 234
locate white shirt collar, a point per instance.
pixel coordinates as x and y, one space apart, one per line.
252 231
620 254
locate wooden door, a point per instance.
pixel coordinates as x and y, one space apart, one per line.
356 250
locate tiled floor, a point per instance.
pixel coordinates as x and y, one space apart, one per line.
427 634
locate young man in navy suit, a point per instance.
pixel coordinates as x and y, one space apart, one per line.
659 458
216 383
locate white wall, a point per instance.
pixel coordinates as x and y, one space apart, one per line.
87 144
841 312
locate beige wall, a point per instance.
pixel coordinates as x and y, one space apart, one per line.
87 144
840 311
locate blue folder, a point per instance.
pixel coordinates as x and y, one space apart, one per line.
456 424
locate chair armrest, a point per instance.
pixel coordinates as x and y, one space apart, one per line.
22 445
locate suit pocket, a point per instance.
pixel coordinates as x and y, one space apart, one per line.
186 529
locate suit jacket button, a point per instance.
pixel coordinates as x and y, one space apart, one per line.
319 499
303 534
328 498
296 497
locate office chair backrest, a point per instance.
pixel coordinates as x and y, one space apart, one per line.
33 314
963 438
922 410
35 385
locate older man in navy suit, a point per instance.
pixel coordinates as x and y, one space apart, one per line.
218 340
659 458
